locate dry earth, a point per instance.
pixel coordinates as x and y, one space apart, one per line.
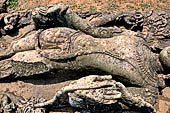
42 88
101 5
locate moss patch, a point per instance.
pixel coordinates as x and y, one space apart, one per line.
12 4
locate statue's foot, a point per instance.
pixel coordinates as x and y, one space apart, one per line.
93 85
95 90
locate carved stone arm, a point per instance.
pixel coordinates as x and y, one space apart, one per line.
62 14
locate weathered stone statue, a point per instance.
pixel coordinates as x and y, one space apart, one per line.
129 60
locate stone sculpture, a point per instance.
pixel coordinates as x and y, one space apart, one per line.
130 57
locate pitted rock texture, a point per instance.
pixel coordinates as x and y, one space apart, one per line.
23 56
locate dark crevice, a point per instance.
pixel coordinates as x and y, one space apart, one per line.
123 24
156 50
9 79
87 14
167 82
2 24
6 57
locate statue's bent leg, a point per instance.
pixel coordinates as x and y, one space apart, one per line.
91 87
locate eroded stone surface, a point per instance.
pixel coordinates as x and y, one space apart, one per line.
63 49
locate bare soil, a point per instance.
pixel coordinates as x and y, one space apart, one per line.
40 88
101 5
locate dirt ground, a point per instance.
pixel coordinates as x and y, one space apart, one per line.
29 88
101 5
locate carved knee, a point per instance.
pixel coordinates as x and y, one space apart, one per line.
165 57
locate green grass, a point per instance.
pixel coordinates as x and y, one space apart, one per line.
73 6
95 1
12 4
130 7
145 6
113 6
92 8
83 7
